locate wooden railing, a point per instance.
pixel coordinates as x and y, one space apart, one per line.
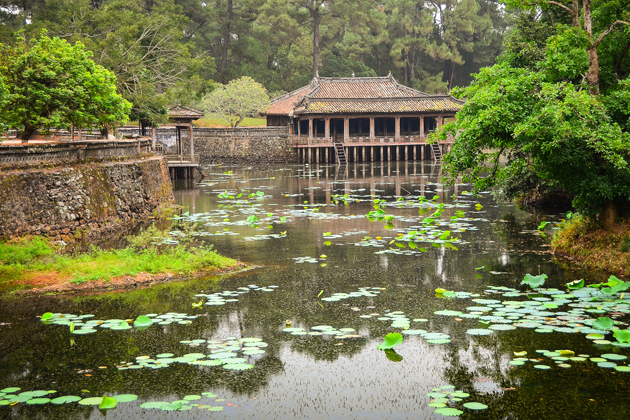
357 141
184 158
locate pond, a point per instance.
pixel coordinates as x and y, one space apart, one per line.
331 283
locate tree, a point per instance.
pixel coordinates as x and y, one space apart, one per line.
54 84
238 99
542 109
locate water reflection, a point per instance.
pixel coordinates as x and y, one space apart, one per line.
316 376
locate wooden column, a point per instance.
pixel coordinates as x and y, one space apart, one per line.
421 126
440 121
310 128
355 154
327 127
298 128
314 129
317 156
406 154
415 149
372 129
381 153
397 128
363 154
192 143
346 128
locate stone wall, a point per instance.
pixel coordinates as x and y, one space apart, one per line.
60 202
226 145
20 155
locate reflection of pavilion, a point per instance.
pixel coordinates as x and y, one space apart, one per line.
368 118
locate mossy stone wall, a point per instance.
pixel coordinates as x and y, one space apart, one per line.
59 202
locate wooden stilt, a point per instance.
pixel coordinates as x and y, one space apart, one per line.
381 153
414 152
317 155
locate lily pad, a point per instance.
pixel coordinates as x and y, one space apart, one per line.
91 401
391 340
125 397
478 331
475 406
37 401
107 403
65 399
449 412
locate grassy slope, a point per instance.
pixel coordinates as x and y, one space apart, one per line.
25 259
595 247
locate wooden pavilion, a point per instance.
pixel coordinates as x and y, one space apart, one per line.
182 118
362 119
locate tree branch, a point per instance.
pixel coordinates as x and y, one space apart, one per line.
560 5
609 30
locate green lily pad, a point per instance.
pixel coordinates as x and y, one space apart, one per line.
165 355
603 323
215 408
622 368
448 313
107 403
91 401
121 398
479 331
475 406
542 367
238 366
612 356
391 341
37 401
192 397
10 390
65 399
459 394
607 365
449 412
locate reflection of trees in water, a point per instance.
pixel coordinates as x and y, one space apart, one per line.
328 349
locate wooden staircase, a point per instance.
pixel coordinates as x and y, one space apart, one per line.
341 153
437 152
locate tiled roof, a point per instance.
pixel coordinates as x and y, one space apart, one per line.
362 87
382 105
359 95
181 112
286 103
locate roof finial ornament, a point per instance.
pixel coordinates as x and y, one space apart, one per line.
352 74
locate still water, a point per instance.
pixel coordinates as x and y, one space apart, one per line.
318 246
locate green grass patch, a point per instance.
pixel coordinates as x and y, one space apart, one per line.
214 121
25 259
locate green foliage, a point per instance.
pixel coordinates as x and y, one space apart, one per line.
534 281
238 99
29 257
391 340
335 66
52 83
603 323
575 285
107 403
623 336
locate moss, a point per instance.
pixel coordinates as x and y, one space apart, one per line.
25 260
588 244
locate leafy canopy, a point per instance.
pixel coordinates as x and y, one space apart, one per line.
542 120
238 99
51 83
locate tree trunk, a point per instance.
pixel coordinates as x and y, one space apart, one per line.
226 41
316 22
609 214
406 67
413 65
592 78
27 133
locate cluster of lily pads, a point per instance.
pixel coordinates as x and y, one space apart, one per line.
219 298
446 395
325 330
187 403
84 324
9 396
563 357
223 353
362 292
537 311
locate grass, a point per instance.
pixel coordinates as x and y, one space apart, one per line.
214 121
25 259
594 247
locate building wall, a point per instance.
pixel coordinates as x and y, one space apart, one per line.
60 202
226 145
